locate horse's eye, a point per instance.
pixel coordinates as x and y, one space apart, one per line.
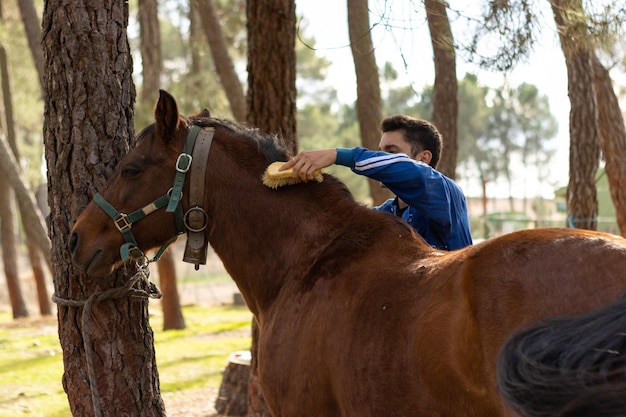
130 171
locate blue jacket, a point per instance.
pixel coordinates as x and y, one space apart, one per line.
437 208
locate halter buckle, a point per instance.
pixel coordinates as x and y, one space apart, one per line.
122 224
183 163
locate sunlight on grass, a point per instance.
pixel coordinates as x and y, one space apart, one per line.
31 360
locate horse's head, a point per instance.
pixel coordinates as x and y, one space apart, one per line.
139 189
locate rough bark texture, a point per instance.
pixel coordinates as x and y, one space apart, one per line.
232 397
582 202
223 64
368 99
88 121
445 90
271 105
612 136
272 67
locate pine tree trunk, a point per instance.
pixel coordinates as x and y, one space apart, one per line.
445 90
43 298
271 106
582 202
33 34
170 302
368 99
150 45
612 136
88 124
223 64
8 241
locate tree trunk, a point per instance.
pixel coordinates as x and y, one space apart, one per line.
612 137
368 99
582 203
170 302
272 71
25 204
33 34
150 45
8 241
223 64
151 69
445 90
43 298
108 353
271 106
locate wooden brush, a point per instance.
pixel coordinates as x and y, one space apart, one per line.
273 178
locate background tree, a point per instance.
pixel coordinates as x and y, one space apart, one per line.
271 106
445 89
368 101
612 136
223 62
582 202
8 209
152 62
88 125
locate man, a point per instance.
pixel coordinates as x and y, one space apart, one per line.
409 152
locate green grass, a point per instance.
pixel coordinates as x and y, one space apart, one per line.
31 360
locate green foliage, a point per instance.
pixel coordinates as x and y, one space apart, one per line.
31 362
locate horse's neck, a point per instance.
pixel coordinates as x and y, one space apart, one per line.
262 239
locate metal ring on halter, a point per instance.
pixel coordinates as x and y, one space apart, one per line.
205 219
142 262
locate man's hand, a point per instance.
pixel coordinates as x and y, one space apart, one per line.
307 162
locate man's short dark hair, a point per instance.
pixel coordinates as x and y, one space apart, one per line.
420 134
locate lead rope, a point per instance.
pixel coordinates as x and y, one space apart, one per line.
150 291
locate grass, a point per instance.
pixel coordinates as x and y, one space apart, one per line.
31 360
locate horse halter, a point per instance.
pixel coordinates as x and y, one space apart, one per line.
194 221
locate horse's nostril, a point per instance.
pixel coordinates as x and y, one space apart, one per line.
73 242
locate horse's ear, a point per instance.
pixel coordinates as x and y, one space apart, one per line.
166 116
205 113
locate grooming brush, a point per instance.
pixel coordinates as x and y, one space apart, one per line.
273 178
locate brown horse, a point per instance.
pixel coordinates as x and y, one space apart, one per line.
358 316
572 366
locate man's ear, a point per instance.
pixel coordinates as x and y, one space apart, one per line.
427 156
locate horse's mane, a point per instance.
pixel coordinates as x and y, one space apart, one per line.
273 147
564 366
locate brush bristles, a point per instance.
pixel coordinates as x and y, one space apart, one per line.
273 178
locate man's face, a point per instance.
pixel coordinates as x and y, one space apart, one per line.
393 142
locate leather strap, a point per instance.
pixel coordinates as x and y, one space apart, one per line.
196 218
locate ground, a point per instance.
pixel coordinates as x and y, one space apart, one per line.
204 289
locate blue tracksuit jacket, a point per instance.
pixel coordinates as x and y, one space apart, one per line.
437 208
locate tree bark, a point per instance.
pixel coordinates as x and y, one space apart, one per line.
368 98
271 107
582 202
88 124
612 137
272 71
445 90
33 34
223 64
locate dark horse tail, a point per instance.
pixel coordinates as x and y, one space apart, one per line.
568 366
